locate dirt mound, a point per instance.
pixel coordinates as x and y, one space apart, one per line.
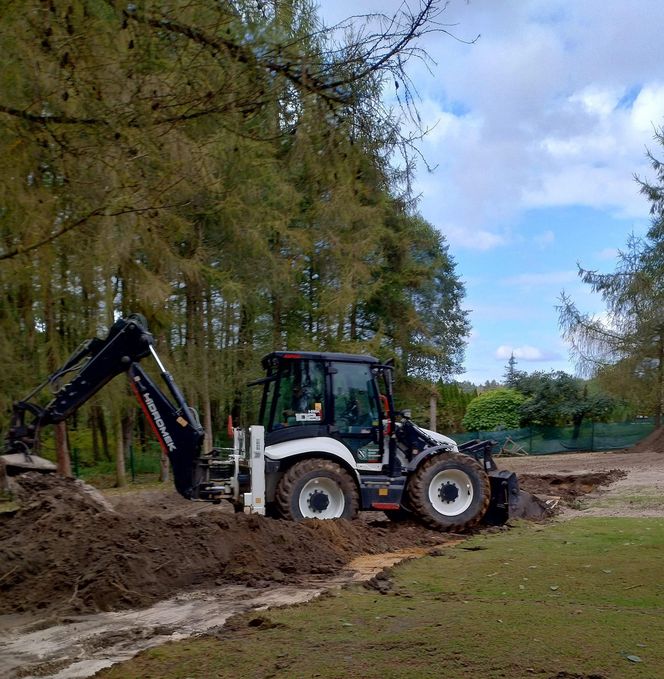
55 490
654 442
67 551
568 486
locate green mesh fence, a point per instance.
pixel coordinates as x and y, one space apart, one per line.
589 436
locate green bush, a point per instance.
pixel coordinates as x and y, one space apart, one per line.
497 409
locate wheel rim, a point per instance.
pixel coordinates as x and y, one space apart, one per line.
451 492
321 498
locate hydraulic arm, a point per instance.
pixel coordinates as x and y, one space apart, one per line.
92 366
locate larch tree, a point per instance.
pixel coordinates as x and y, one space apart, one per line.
223 168
629 341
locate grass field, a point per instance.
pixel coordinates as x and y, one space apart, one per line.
579 599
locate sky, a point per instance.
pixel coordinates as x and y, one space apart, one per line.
537 131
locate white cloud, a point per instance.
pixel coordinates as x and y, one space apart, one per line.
597 101
548 117
524 353
553 123
446 127
471 238
648 110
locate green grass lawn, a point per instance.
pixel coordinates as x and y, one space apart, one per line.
641 499
581 599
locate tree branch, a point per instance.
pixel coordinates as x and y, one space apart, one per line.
99 212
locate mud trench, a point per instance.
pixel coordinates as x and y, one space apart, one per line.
567 488
80 646
87 581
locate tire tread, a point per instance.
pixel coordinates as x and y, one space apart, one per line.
418 492
286 485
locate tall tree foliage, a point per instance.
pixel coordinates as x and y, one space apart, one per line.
223 168
628 345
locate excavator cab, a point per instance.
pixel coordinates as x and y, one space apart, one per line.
314 394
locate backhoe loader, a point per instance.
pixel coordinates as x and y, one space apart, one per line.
329 441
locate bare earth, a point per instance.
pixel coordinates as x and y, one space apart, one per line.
640 491
88 580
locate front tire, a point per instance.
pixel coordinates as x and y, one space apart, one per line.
450 491
316 489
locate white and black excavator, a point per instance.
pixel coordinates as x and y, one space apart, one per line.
329 444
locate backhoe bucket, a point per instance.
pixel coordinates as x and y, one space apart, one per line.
14 464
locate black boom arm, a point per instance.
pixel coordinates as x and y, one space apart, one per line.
95 364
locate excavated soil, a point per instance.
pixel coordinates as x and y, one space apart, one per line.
568 487
67 550
654 442
628 482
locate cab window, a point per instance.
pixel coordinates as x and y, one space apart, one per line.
298 394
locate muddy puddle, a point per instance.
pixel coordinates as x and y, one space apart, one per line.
79 646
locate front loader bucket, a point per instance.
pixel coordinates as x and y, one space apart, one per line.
509 502
529 506
504 497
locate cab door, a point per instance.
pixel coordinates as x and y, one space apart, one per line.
356 411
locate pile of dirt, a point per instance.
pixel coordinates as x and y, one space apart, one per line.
653 442
568 487
67 550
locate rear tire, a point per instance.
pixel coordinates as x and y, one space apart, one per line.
450 491
316 489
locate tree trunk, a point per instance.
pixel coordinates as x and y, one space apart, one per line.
433 403
245 346
92 423
207 349
63 461
61 449
128 420
353 323
103 431
660 383
277 330
164 468
120 473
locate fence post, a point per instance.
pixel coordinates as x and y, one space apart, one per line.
131 464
